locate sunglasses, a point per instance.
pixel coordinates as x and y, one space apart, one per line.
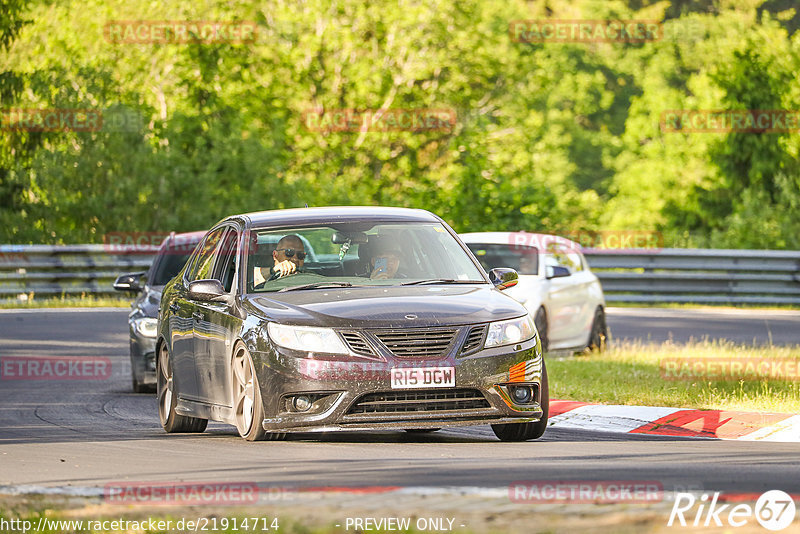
290 252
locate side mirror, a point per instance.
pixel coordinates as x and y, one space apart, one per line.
503 278
557 272
128 282
206 290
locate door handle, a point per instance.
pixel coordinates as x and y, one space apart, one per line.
197 315
174 307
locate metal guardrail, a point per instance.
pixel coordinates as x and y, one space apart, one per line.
55 270
659 275
706 276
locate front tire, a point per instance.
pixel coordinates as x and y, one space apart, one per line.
598 338
248 406
526 431
172 422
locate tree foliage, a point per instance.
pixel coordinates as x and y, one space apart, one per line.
548 137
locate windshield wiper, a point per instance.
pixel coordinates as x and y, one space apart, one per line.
441 281
317 285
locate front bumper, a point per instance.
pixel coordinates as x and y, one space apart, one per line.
356 394
143 358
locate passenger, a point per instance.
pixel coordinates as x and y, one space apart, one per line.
385 263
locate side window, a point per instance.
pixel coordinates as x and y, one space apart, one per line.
550 260
571 259
582 261
204 259
225 267
561 256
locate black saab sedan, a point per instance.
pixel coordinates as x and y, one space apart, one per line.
350 318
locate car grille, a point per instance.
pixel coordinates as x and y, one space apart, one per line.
425 400
474 340
417 343
357 343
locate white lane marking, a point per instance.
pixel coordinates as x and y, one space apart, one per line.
787 431
610 418
455 490
88 491
77 491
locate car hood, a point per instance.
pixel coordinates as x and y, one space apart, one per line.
388 307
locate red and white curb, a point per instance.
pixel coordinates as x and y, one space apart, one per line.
719 424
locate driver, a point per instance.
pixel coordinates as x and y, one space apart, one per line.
289 256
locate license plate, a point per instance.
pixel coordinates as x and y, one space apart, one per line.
423 377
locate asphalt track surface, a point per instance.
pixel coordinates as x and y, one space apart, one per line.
740 326
92 433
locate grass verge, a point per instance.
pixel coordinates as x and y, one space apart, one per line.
327 514
637 374
697 306
64 301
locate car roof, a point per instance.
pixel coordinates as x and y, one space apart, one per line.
333 214
197 234
516 238
184 238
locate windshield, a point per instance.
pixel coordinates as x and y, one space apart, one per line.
350 255
169 263
525 260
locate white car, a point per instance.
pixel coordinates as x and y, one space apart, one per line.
555 285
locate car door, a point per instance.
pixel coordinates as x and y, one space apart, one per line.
565 295
184 316
216 327
589 296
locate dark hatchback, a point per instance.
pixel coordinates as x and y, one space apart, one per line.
143 318
332 345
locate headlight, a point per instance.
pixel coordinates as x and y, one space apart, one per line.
510 332
306 338
146 326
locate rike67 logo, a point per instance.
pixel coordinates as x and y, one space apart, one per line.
774 510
